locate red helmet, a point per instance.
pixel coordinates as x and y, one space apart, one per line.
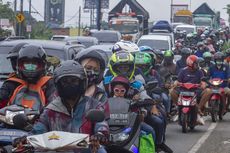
191 61
119 80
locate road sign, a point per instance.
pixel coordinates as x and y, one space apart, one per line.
20 17
28 28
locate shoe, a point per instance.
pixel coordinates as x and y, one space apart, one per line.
165 148
200 120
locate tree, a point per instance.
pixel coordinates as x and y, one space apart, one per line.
40 31
6 11
228 11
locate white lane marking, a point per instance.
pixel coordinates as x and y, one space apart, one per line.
202 140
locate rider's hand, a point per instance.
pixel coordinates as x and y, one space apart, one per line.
19 141
98 139
154 110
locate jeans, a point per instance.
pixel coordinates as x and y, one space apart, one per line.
158 123
149 130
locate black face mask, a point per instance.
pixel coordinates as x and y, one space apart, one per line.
92 76
70 91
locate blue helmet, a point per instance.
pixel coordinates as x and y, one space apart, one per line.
145 49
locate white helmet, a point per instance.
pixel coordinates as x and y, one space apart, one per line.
126 46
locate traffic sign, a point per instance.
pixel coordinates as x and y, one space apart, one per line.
20 17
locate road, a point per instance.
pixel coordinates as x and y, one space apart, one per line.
210 138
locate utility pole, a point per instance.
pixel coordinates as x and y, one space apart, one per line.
15 12
79 21
171 11
21 24
98 14
30 24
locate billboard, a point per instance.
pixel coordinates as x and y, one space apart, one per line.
177 7
91 4
54 12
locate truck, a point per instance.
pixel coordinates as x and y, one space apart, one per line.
132 23
128 25
205 17
183 16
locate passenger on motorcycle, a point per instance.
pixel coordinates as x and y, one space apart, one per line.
67 112
190 74
119 87
30 87
207 63
209 44
180 64
94 64
222 71
201 49
178 48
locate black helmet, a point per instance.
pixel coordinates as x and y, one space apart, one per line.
219 56
70 68
27 56
97 54
13 55
186 51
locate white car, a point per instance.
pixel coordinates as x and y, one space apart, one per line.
186 27
160 42
59 37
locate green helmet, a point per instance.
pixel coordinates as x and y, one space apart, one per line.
207 55
122 63
168 53
144 62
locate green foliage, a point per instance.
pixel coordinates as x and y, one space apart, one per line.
6 11
40 31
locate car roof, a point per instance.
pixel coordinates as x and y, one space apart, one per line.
155 37
106 31
82 38
58 45
186 25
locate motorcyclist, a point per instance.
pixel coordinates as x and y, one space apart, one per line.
67 112
31 87
180 64
207 63
178 48
190 74
201 48
219 70
209 44
94 64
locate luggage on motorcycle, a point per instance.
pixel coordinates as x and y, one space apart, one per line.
146 144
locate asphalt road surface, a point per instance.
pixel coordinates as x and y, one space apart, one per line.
210 138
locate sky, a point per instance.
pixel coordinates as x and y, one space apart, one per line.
158 9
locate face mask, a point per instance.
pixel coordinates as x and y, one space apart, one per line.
30 67
70 91
92 76
219 64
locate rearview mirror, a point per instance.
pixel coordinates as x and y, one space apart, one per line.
95 115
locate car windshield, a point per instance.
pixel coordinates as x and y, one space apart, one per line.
125 27
106 37
57 53
156 44
202 22
187 29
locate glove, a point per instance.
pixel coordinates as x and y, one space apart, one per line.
98 138
19 141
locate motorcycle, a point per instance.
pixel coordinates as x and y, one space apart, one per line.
59 141
187 106
10 130
215 104
124 125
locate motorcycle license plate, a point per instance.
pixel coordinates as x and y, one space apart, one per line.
187 94
215 91
185 102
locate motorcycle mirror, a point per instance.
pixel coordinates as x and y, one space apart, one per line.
20 121
95 115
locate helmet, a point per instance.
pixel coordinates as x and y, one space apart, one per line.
192 61
13 55
186 51
31 62
144 62
95 54
73 69
178 44
119 80
122 63
149 50
125 46
199 44
168 53
207 56
219 59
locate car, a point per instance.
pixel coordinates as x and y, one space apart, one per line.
186 27
59 37
107 36
87 41
162 25
56 49
170 34
175 24
159 42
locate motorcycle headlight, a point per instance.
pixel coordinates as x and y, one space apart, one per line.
120 137
10 115
216 83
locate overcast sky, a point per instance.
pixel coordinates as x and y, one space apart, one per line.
158 9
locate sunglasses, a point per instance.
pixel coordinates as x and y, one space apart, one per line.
117 90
